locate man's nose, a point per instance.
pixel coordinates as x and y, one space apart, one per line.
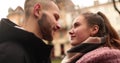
58 26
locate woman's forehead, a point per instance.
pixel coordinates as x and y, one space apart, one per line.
79 18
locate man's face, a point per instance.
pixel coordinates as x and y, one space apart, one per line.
49 23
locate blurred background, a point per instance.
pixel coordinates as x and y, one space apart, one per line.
69 10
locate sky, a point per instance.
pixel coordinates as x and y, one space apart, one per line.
83 3
86 3
6 4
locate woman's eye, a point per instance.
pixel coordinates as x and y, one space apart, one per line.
76 25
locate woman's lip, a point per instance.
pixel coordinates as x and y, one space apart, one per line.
72 37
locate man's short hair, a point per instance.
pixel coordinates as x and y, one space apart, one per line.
30 4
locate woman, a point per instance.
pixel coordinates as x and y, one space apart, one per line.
94 40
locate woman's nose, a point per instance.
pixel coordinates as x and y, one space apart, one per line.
71 32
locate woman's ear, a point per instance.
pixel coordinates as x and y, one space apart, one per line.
37 9
94 30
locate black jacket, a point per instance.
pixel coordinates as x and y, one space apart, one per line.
19 46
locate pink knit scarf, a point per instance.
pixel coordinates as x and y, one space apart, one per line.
78 51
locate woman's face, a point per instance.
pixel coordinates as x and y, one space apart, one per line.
80 31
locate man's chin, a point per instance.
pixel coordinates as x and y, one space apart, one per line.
49 39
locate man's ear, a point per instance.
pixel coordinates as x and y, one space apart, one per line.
94 30
37 9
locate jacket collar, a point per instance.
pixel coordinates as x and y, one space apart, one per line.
8 32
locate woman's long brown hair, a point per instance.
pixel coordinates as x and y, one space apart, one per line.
113 39
105 28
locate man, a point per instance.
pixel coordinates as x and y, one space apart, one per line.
25 44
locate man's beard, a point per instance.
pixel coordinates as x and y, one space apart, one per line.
45 27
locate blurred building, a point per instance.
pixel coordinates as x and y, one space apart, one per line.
16 15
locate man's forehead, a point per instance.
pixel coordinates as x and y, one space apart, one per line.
54 6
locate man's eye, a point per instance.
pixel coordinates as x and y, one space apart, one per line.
56 16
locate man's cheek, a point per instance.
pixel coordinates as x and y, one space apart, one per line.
45 27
